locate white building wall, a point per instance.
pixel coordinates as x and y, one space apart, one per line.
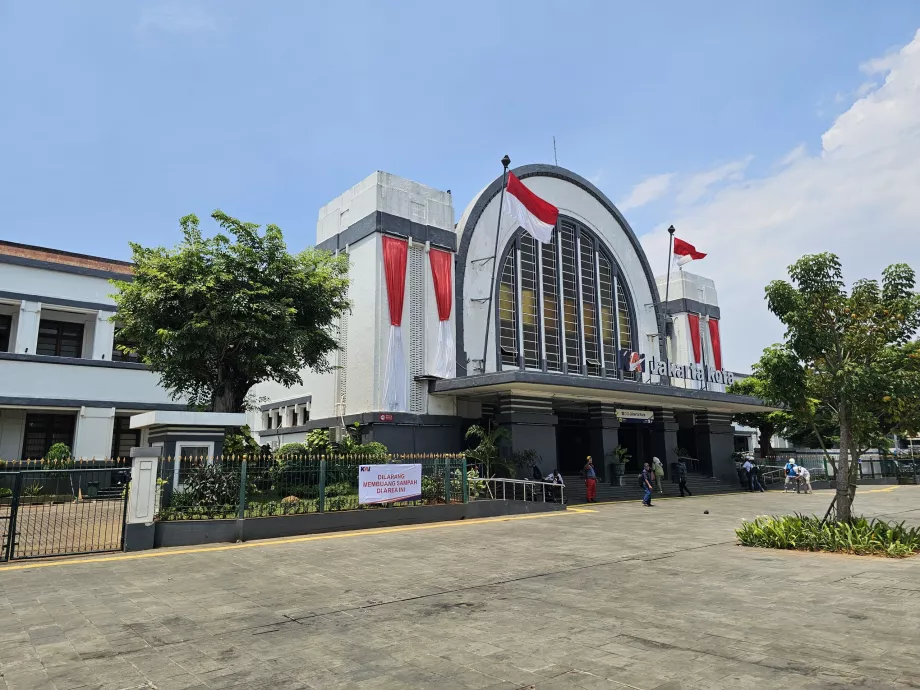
12 427
49 283
93 433
572 201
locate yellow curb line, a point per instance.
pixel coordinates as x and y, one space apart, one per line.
288 540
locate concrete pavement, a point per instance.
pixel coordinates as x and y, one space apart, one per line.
610 596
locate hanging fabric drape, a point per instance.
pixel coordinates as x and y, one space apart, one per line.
396 382
441 274
716 343
694 320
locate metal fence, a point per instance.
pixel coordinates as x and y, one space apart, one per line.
872 465
269 486
62 507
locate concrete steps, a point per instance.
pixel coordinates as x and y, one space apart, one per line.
698 485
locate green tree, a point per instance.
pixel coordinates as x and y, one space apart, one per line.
486 451
767 424
214 316
838 349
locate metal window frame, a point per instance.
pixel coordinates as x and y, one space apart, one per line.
560 300
598 308
519 311
542 312
581 301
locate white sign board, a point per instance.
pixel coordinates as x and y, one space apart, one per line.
389 483
641 415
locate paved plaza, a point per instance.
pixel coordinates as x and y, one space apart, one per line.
607 596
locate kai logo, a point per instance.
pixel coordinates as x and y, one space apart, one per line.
365 468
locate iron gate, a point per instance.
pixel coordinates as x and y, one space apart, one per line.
62 512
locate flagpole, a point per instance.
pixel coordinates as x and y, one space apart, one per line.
506 161
667 287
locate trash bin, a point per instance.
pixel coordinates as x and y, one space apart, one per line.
92 489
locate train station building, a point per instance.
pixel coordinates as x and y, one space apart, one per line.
567 344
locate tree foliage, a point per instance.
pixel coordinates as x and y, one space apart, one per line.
214 316
842 355
487 451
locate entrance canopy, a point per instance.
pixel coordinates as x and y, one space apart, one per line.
559 386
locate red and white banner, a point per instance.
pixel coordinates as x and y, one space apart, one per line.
441 275
389 483
537 216
684 252
396 381
694 321
716 343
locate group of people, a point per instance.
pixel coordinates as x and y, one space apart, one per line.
651 476
555 478
798 475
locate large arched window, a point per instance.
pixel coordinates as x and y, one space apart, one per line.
562 305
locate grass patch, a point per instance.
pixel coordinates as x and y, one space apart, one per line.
861 537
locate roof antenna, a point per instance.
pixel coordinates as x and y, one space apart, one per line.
555 159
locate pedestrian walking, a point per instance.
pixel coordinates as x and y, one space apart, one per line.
658 469
590 481
682 477
647 485
754 474
791 476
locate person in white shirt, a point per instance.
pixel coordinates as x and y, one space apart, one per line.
804 478
658 469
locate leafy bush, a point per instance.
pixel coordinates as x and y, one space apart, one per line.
58 456
373 448
33 489
340 489
241 442
349 502
808 533
213 485
291 449
5 493
317 442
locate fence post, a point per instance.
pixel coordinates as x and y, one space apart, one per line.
464 482
447 481
242 505
11 525
321 504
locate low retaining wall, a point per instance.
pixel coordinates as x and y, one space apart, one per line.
192 532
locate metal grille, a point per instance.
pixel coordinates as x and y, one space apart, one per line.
608 325
342 378
416 328
507 311
529 302
58 512
626 335
570 298
551 307
589 306
44 430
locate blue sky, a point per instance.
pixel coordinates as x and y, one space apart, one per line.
120 116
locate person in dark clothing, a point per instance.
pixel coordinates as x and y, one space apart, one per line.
682 477
648 476
537 474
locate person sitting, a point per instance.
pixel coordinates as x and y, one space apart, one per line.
555 478
536 475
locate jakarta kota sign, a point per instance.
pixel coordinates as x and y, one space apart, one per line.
630 360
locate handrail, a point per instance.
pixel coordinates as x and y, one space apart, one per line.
526 484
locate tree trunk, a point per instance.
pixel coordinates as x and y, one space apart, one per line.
844 500
766 434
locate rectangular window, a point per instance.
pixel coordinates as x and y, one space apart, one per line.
551 309
6 325
43 431
570 298
124 438
589 306
59 339
529 302
507 310
120 356
608 327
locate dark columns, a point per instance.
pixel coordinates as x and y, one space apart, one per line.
664 439
714 445
532 424
603 437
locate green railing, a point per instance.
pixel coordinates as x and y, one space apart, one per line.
268 486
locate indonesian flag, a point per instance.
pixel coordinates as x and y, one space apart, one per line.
684 252
535 215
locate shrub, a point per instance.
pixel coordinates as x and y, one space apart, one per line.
808 533
317 442
339 489
5 493
33 489
349 502
58 456
291 449
213 485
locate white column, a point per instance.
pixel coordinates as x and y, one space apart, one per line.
103 336
143 491
30 313
93 435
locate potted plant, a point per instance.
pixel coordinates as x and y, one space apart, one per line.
619 456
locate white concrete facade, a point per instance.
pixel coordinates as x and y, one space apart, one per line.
78 396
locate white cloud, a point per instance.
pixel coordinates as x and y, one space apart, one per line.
856 197
176 17
696 186
648 190
865 88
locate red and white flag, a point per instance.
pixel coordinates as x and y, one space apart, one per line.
537 216
685 252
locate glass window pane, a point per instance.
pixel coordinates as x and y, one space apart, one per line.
626 335
608 327
551 306
570 298
507 312
589 306
529 303
6 322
